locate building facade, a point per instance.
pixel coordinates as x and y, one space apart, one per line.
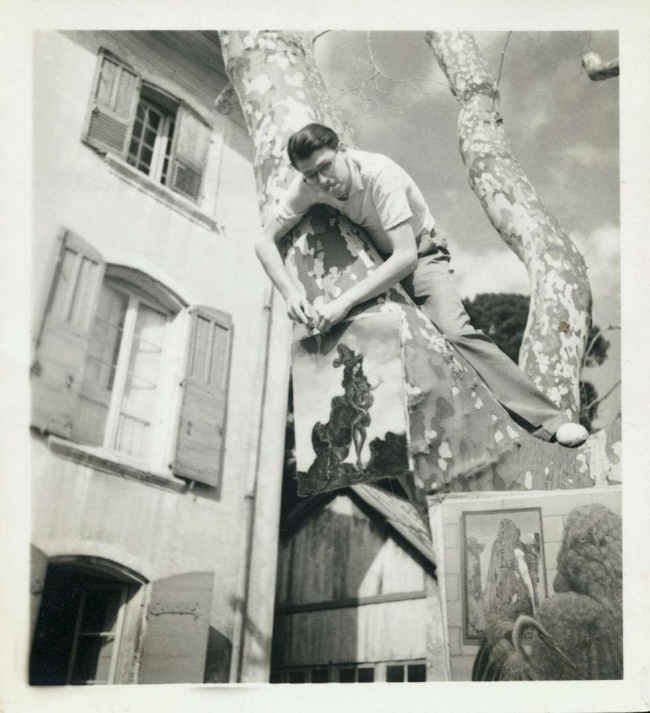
158 357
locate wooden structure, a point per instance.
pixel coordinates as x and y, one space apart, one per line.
356 582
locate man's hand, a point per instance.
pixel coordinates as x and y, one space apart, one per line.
299 309
331 313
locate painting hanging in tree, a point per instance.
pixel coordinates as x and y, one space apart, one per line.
504 573
350 404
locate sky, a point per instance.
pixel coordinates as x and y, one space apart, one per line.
562 128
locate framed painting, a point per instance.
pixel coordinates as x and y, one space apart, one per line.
503 567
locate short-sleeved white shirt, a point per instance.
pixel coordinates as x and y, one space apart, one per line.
382 196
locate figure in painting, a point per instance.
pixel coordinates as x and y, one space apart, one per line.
349 417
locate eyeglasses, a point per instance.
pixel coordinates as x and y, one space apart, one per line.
325 169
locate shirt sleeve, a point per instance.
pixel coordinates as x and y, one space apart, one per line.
392 203
293 204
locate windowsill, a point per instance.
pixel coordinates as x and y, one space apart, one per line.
110 463
161 193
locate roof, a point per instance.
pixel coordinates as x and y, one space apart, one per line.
397 512
400 514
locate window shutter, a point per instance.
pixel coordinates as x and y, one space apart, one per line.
63 340
38 570
178 623
114 104
191 141
201 432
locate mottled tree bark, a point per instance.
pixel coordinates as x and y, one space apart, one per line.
560 311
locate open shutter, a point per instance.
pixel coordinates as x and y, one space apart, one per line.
178 623
63 340
114 104
191 141
201 432
38 570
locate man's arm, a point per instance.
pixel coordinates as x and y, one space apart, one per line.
401 263
266 249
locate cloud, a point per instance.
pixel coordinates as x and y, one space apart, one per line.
489 271
585 153
601 250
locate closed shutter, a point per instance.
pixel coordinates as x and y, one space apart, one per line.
61 347
201 432
191 141
114 104
38 570
178 623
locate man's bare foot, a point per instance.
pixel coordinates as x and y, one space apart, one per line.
571 434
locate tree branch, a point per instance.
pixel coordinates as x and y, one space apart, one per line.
597 69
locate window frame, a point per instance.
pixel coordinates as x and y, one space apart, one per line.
135 299
176 159
379 669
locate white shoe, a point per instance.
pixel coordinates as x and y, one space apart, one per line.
571 434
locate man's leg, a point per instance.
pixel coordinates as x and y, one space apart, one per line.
431 286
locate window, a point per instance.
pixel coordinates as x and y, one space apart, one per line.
80 627
106 369
156 133
121 381
153 134
393 672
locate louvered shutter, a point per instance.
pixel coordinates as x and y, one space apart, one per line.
178 624
201 432
38 570
114 104
191 141
62 343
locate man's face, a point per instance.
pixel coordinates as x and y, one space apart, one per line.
328 169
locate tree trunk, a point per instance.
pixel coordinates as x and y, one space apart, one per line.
560 310
456 426
458 432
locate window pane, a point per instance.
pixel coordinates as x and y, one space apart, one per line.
320 675
347 675
92 662
394 674
141 382
106 82
366 675
101 364
63 284
417 672
101 607
297 677
276 677
125 91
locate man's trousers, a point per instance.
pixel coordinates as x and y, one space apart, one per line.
432 289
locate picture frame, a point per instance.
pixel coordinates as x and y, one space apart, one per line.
503 567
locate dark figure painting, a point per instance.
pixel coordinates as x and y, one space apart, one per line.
350 405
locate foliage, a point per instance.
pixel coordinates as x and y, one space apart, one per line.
503 317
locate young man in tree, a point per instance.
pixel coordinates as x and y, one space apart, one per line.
375 193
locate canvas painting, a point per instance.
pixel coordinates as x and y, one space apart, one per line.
350 404
504 571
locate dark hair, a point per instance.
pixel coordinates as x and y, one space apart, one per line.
310 138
